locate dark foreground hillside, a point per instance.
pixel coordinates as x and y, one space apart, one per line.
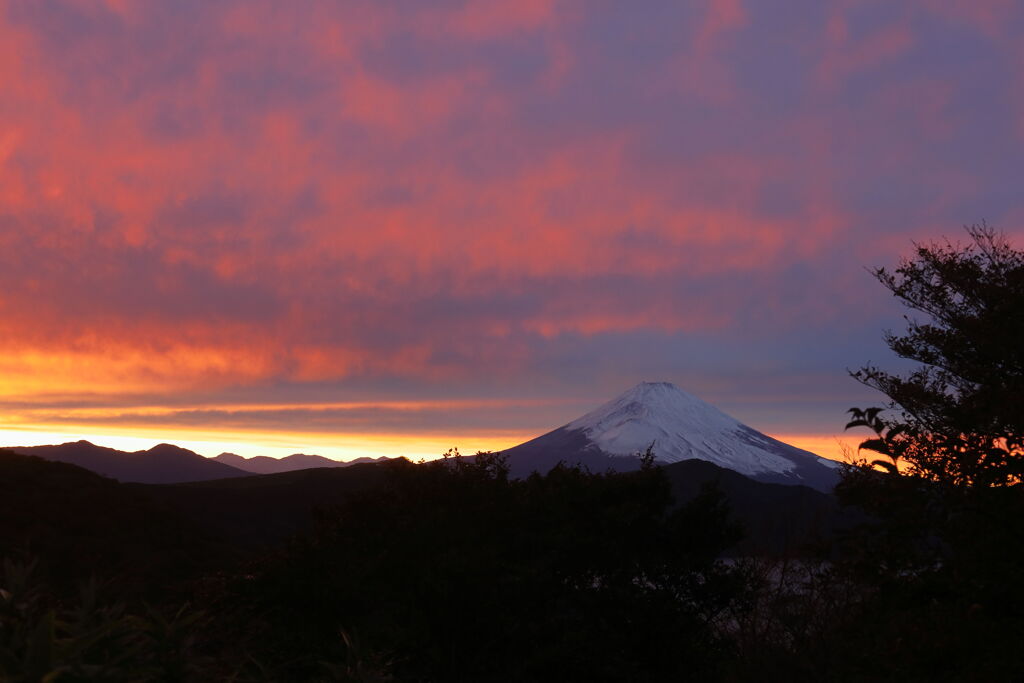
537 579
446 571
267 509
453 571
259 510
777 519
75 524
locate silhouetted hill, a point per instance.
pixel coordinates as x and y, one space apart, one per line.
260 509
76 523
777 518
262 464
256 509
266 508
162 464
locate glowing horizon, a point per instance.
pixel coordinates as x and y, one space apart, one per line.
210 444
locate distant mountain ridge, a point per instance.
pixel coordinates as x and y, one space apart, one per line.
161 464
262 464
169 464
680 427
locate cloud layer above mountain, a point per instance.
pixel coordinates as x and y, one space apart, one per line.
203 203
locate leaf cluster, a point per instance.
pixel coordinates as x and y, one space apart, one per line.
43 638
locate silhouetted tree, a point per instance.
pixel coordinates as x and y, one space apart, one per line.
943 558
957 419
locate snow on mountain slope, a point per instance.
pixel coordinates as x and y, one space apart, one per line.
680 426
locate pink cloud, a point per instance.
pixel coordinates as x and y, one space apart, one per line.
245 194
846 55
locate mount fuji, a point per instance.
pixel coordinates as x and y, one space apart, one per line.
680 426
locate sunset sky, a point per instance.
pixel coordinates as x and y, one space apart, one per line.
395 227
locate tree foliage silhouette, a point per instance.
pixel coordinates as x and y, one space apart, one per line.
454 571
957 419
943 556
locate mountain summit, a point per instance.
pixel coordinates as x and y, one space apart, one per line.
680 426
161 464
262 464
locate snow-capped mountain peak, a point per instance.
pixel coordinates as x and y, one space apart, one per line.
655 411
680 426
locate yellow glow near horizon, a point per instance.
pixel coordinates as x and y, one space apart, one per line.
833 447
337 446
249 444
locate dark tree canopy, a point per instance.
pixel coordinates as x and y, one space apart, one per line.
959 417
941 559
455 572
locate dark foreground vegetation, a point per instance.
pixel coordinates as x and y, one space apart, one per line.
452 571
439 571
